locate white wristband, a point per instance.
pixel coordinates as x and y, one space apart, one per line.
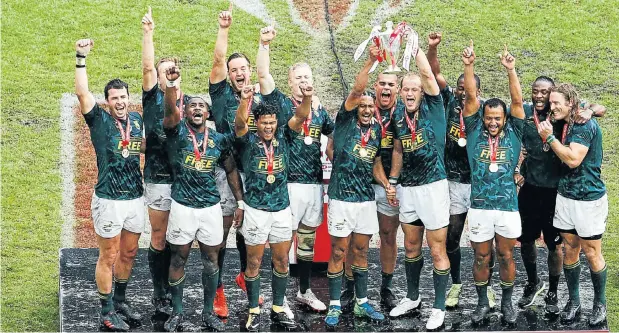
241 204
171 83
80 61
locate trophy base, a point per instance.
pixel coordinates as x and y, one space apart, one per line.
392 69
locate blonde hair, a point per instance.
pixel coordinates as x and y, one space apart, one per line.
571 96
175 60
297 66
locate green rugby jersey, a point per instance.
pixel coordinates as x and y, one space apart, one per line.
259 194
386 143
456 159
584 183
305 164
493 190
194 182
351 176
118 178
422 156
157 167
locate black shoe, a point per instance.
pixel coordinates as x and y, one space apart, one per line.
509 315
253 322
598 314
388 299
113 322
479 315
173 323
210 321
570 312
133 318
347 299
281 319
552 303
531 291
162 305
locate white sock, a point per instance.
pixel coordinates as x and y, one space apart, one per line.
335 302
362 300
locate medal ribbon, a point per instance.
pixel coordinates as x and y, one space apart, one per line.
181 105
536 119
124 135
307 121
269 155
365 138
462 127
383 128
196 150
564 134
493 145
412 125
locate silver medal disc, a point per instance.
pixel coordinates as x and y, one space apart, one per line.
462 142
271 179
125 153
546 146
308 140
363 152
494 167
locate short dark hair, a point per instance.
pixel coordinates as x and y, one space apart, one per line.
477 80
544 78
264 109
115 84
494 103
236 55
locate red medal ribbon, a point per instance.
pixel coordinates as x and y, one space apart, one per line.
307 121
493 145
181 105
462 127
536 119
365 138
383 128
196 150
564 134
269 154
124 135
412 125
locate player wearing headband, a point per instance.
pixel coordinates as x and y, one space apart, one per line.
352 205
305 168
194 150
117 205
582 202
493 147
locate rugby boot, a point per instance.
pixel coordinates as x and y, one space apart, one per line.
333 316
388 299
570 312
598 314
405 306
128 314
436 320
366 311
220 305
552 303
113 322
531 291
240 281
211 321
253 322
311 300
479 315
509 314
161 304
173 323
453 295
282 319
491 298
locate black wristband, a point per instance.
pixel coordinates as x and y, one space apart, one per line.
80 66
79 55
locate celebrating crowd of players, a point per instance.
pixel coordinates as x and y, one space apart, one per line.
423 160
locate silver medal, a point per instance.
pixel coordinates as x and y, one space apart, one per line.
125 153
308 140
363 152
494 167
546 146
462 142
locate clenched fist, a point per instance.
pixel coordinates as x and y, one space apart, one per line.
83 46
434 38
306 89
267 34
172 73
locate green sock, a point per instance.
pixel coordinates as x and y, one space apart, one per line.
278 287
455 258
335 285
155 264
361 281
572 276
209 284
350 281
599 285
176 289
106 302
507 289
253 290
482 292
120 287
386 280
440 278
413 268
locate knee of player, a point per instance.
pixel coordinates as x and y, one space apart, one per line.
177 261
504 256
338 252
280 261
438 252
209 266
591 252
129 253
482 258
253 263
107 258
412 247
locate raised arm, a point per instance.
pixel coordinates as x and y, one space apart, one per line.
515 91
149 72
171 113
296 122
263 60
471 104
85 97
220 71
240 121
428 81
361 81
434 39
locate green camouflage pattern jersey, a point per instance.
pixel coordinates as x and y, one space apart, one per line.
194 182
386 143
493 190
456 159
157 167
422 156
305 164
259 194
351 176
118 178
584 183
